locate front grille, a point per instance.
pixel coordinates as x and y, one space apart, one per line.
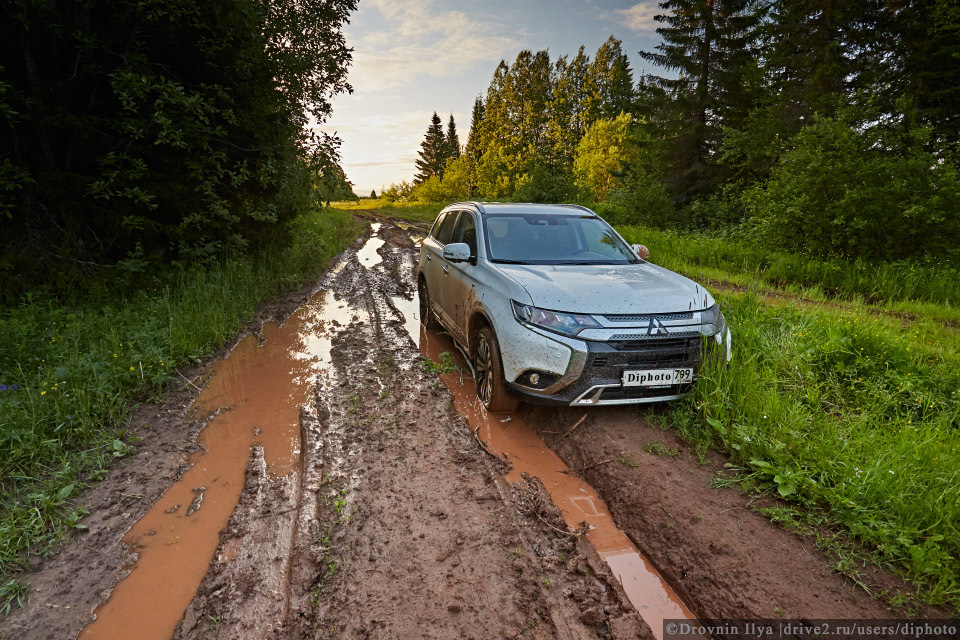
609 359
645 336
687 315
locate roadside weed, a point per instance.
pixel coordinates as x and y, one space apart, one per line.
657 448
627 460
446 364
13 592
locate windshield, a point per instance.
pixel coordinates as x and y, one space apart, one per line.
528 238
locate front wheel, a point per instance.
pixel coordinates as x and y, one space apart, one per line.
426 316
492 389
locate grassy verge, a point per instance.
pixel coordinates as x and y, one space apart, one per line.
404 210
854 418
851 414
69 375
742 262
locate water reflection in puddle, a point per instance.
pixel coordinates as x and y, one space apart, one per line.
368 254
527 453
260 389
410 310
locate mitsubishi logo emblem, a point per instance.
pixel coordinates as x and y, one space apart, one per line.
656 328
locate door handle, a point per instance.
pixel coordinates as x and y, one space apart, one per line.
446 269
429 258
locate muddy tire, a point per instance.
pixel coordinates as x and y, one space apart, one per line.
427 319
492 389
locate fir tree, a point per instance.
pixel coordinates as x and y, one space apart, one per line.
928 32
473 148
433 151
610 82
708 43
452 139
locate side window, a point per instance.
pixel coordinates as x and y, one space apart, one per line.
467 232
436 225
448 225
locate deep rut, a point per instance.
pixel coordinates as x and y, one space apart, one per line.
405 527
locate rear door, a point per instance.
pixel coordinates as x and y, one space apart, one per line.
434 267
459 279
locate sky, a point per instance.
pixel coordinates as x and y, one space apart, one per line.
414 57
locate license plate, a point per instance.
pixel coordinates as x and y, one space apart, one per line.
657 377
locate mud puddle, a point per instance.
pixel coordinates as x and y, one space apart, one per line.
256 395
508 437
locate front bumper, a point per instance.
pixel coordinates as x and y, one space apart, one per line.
599 382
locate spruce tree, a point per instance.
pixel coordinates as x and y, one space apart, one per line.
708 44
928 32
433 151
610 82
452 140
473 148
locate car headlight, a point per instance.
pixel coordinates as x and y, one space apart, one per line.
712 316
568 324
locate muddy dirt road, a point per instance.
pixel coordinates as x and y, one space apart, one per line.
325 483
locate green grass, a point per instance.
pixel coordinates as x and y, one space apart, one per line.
851 415
69 374
418 212
741 262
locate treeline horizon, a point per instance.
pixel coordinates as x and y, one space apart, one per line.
829 128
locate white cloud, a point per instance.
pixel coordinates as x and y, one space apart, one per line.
419 39
640 17
381 148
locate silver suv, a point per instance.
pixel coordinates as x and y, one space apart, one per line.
552 306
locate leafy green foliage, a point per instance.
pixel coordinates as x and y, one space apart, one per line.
601 155
845 191
160 131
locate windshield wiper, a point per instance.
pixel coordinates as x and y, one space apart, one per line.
590 262
504 261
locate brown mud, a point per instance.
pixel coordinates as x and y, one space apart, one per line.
713 545
507 436
359 497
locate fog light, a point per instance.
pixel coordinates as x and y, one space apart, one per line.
534 378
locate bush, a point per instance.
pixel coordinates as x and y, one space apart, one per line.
849 192
545 184
397 192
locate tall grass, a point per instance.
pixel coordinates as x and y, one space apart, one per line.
70 374
418 211
852 415
930 280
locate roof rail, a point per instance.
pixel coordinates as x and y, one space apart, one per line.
580 206
478 205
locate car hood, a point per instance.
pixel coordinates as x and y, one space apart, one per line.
608 289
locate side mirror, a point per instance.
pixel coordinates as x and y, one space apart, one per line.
641 251
457 252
